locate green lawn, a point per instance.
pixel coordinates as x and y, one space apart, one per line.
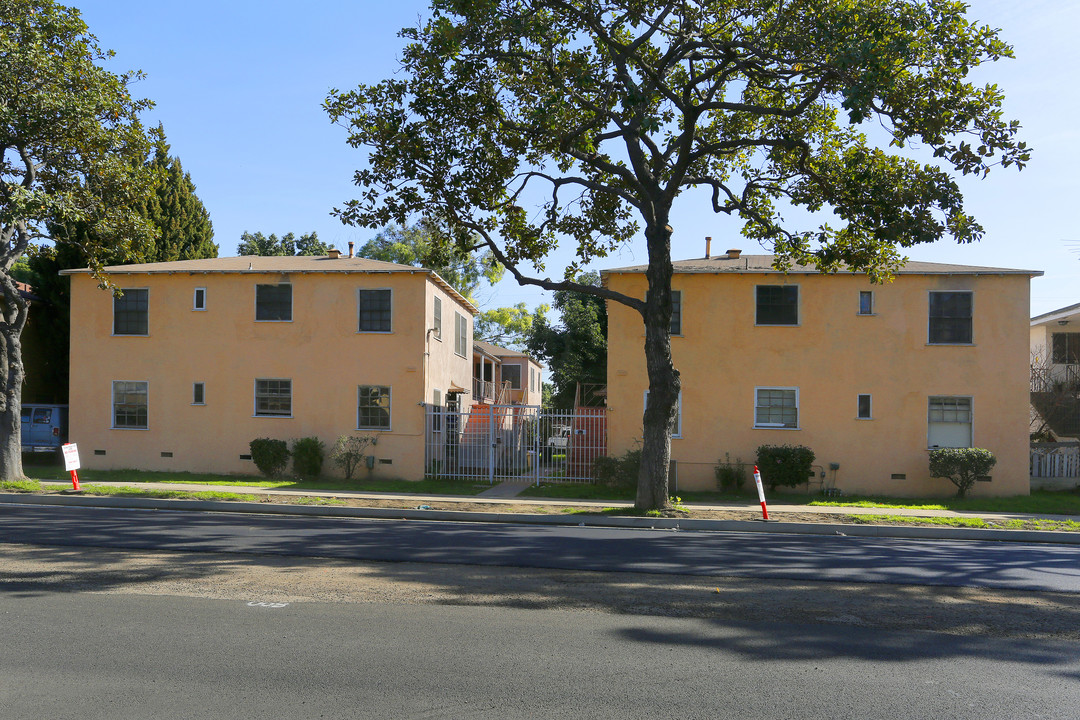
429 487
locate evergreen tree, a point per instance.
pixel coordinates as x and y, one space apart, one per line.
259 244
177 212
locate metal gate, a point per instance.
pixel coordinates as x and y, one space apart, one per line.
514 442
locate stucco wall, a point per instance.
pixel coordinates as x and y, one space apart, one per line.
225 348
832 356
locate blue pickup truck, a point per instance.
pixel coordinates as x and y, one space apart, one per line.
44 428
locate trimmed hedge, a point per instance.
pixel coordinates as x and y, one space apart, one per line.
787 465
962 466
270 456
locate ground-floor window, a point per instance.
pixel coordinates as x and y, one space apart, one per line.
948 422
776 407
677 432
273 397
373 407
129 404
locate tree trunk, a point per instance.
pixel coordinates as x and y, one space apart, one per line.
664 385
11 374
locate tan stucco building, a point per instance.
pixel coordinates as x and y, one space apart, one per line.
868 376
199 357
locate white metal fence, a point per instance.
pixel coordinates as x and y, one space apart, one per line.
522 442
1055 460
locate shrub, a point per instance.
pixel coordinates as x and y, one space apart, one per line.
787 465
618 472
307 456
731 476
963 466
348 453
270 456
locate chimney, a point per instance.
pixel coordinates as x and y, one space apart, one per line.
334 253
708 247
732 254
350 248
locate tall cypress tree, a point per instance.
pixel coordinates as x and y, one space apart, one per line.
186 232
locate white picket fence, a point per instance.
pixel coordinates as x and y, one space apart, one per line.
1055 460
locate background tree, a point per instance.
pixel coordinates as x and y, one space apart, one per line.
71 150
531 122
259 244
183 232
418 245
575 349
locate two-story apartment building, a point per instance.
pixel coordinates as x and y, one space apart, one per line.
502 375
868 376
1055 372
199 357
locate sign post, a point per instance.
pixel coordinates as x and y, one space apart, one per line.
71 462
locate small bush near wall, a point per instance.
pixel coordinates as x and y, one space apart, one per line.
730 476
787 465
348 453
269 455
619 472
962 466
307 456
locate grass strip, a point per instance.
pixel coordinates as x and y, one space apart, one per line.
969 522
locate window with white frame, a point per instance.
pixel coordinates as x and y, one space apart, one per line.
129 404
677 432
776 407
273 397
131 312
198 300
273 303
461 335
948 422
436 410
373 407
950 318
777 305
676 312
865 407
512 373
376 310
198 393
438 319
866 302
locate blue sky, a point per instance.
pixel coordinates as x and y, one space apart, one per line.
239 88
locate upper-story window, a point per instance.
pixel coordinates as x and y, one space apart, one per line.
777 305
273 303
512 374
376 310
866 302
1065 348
950 318
198 301
438 319
676 312
131 312
461 334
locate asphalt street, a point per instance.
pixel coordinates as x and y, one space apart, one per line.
1040 567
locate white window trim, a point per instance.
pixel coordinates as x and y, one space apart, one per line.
255 397
112 406
440 418
193 393
457 333
857 415
778 426
798 305
112 304
195 300
677 435
374 332
388 428
971 424
950 344
255 308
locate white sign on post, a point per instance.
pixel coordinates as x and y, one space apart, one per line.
71 456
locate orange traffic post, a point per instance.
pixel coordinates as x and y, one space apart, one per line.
761 494
75 481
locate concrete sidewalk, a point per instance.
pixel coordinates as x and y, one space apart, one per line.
506 494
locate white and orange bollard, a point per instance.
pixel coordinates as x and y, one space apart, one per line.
761 494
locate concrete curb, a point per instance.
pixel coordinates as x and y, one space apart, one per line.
640 523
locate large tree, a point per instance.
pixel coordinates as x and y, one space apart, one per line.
72 149
259 244
184 228
575 346
533 122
